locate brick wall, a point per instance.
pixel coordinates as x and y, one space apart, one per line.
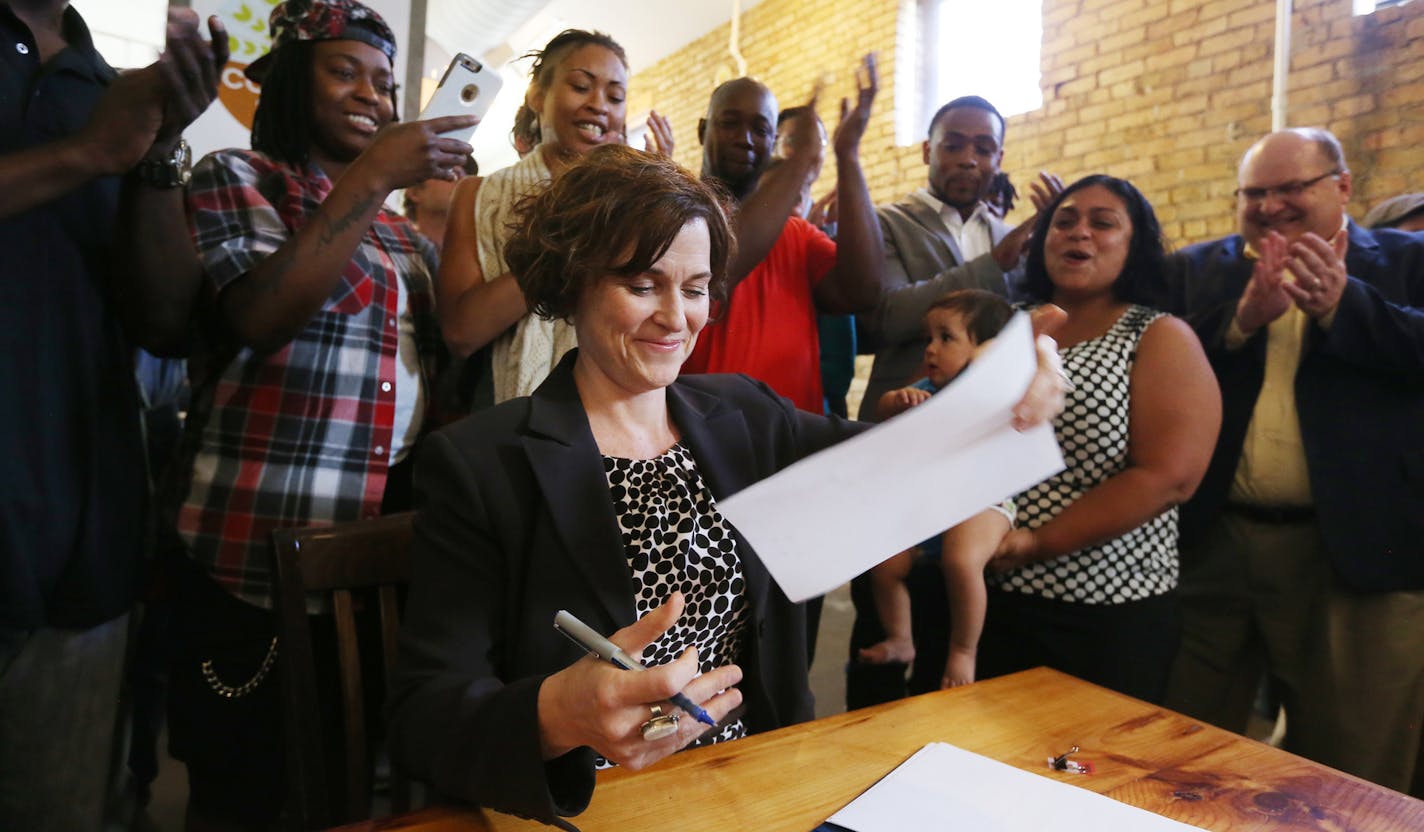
1167 94
788 45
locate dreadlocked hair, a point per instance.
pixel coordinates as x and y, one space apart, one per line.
282 125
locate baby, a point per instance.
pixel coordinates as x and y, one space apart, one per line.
959 324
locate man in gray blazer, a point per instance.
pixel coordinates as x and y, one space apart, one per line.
941 238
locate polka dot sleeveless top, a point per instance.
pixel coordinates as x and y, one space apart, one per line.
1093 432
675 539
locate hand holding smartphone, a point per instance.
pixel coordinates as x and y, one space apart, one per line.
466 89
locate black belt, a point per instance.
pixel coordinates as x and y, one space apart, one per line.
1279 515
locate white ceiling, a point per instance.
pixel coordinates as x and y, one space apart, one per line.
494 31
648 29
498 30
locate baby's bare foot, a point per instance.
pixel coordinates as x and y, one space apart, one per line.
958 670
889 651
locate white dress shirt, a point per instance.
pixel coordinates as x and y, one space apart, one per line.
972 235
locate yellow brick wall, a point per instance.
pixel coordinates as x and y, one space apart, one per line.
1167 93
788 45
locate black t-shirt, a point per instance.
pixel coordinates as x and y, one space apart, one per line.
72 484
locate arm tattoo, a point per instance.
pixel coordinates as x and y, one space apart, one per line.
283 260
337 227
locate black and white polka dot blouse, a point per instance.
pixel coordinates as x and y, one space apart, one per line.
1093 433
675 539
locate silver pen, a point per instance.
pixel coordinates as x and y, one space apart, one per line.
589 639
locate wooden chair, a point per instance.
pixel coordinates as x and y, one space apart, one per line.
347 563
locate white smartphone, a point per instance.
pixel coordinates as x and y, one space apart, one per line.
467 89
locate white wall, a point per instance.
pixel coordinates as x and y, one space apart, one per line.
127 34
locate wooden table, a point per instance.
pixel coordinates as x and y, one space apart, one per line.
1147 756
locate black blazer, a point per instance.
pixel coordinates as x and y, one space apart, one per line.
1359 391
517 523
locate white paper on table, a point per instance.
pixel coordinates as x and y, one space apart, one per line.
944 787
833 515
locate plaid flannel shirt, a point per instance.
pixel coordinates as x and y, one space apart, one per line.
301 436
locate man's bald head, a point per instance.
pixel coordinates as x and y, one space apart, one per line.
1292 138
1294 182
738 133
739 87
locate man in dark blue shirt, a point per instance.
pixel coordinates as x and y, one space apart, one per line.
94 258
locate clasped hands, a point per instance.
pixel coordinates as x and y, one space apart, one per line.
146 110
592 703
1319 272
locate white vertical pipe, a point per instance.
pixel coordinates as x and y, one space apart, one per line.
1281 84
735 37
414 60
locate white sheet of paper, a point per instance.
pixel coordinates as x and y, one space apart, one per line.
833 515
945 787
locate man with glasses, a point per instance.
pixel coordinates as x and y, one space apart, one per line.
1303 549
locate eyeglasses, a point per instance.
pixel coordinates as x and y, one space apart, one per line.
1286 191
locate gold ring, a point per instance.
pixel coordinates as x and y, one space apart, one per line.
659 725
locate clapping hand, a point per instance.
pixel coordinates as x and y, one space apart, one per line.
658 139
1010 249
1044 190
149 108
801 138
823 211
190 67
854 119
1320 273
1265 298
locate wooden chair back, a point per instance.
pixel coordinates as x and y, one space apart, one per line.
347 563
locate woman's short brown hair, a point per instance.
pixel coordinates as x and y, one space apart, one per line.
613 212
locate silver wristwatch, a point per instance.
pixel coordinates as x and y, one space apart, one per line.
172 172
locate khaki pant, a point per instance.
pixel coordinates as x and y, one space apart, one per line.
1260 597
